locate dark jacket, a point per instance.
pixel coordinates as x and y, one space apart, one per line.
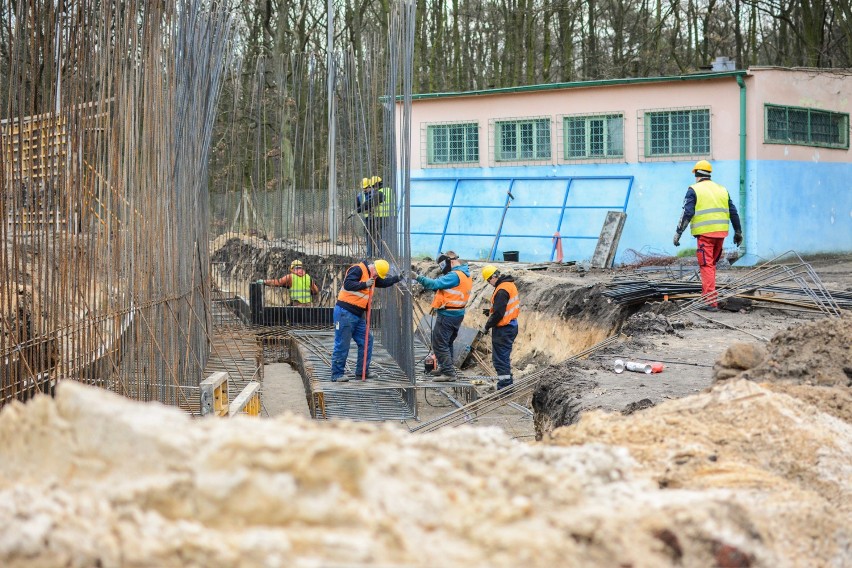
501 300
353 283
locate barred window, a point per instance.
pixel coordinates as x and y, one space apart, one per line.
806 127
453 143
523 140
596 136
677 132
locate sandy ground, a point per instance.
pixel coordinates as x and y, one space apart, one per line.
283 391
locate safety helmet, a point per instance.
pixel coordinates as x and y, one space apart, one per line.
375 181
489 271
296 264
382 267
703 166
365 183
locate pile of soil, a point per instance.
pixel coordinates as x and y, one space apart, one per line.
725 478
240 259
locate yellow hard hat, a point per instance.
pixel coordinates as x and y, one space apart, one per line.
702 165
488 271
382 267
296 264
375 180
365 183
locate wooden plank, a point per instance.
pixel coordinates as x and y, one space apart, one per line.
608 240
214 394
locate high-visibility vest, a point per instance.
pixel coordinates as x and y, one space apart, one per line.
711 208
384 208
300 289
513 307
454 298
358 298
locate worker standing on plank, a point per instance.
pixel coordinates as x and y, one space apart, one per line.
709 208
350 315
375 204
453 292
503 319
302 288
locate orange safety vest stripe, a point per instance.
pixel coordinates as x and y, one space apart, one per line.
513 307
454 298
358 298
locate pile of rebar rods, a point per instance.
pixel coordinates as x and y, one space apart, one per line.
794 285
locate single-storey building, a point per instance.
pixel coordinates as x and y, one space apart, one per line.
507 169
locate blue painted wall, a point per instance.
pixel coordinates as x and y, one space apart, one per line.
802 206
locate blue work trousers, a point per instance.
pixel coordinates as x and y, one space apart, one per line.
502 339
348 326
443 334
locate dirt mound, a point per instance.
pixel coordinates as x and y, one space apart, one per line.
779 461
92 479
816 353
240 259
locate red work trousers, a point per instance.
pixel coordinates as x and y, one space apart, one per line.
709 252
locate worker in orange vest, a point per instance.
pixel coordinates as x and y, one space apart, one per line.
302 288
453 292
708 208
350 315
503 319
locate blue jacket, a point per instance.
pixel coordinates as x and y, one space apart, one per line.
450 280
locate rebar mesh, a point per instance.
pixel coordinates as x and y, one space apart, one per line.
107 116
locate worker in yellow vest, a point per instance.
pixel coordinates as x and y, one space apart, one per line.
503 319
708 208
303 290
375 202
350 316
453 293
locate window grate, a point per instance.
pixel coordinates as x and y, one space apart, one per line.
806 127
452 144
598 137
522 140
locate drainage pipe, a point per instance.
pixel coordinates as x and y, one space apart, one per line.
743 201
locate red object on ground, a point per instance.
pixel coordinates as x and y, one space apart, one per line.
656 367
709 252
558 241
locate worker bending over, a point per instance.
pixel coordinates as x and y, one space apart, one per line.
453 292
503 319
303 289
350 315
709 208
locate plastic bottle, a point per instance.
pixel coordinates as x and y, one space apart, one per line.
620 366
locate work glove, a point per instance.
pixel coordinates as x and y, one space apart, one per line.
738 239
370 282
261 282
676 240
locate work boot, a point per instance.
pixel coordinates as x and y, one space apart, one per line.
709 308
340 379
357 376
504 381
439 376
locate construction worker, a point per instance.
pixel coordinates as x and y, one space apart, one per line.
302 288
453 292
503 319
708 208
374 202
350 315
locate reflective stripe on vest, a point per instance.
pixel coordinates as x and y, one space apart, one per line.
384 208
711 208
358 298
454 298
513 307
300 290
